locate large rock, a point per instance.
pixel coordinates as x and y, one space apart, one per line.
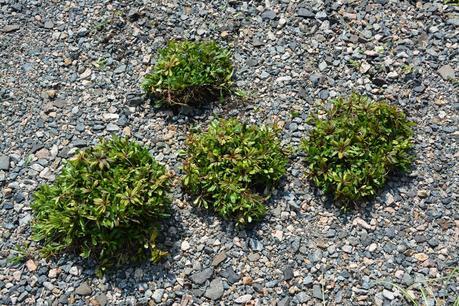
215 290
4 162
201 277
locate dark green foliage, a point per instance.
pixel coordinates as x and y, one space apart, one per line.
188 73
355 145
105 204
231 167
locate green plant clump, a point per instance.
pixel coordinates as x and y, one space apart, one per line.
354 145
188 73
232 167
106 204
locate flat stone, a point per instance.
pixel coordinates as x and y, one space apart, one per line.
31 265
86 74
10 28
185 246
268 14
308 280
4 162
421 256
446 72
243 299
83 289
231 276
219 258
317 292
49 24
158 295
202 276
102 299
388 294
423 193
305 13
42 153
215 290
134 99
288 273
120 69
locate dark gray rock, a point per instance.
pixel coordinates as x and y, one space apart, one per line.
202 276
4 162
305 13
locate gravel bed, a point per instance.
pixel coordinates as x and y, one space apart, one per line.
70 73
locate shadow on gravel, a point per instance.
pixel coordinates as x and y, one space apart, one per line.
171 232
198 114
366 207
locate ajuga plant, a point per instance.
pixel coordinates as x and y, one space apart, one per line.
106 204
190 73
231 168
354 145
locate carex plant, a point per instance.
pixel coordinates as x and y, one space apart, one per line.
107 204
190 73
354 145
232 167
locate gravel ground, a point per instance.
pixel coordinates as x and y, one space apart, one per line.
70 73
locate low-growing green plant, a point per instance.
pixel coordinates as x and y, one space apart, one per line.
354 145
189 73
20 254
231 168
106 204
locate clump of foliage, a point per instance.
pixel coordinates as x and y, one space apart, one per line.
106 204
189 72
354 145
231 168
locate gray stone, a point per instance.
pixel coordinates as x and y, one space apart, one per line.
255 244
219 258
446 72
202 276
134 99
26 219
268 14
49 24
317 292
4 162
288 273
264 75
323 66
284 302
120 69
101 298
308 280
305 13
10 28
215 290
388 294
231 276
158 295
83 289
243 299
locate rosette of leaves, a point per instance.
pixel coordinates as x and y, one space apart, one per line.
231 168
106 204
190 73
354 146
